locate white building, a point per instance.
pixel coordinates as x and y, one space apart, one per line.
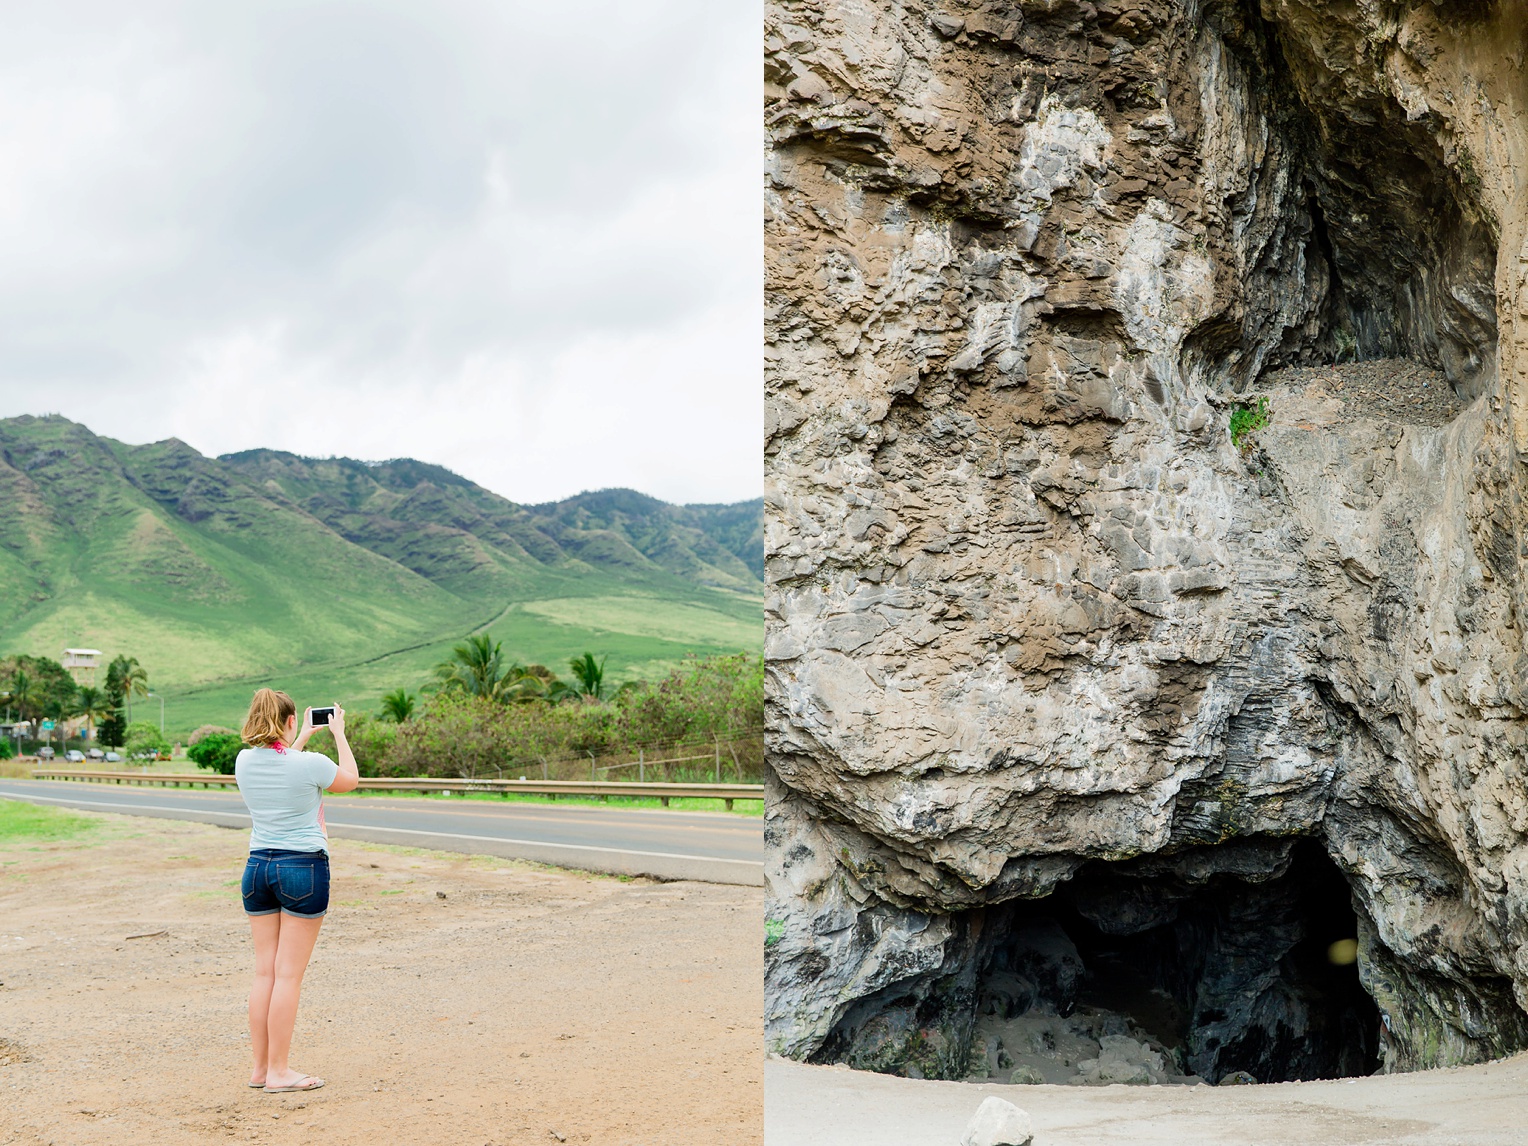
82 664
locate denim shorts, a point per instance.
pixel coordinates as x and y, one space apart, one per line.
294 882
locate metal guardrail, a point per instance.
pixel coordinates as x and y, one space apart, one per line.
604 789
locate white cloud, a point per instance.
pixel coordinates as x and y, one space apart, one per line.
519 240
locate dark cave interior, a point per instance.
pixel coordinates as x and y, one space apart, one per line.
1235 968
1235 957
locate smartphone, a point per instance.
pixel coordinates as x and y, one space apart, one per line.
321 716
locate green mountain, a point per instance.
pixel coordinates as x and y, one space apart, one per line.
340 579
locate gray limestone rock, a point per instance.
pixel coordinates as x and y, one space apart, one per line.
998 1122
1036 626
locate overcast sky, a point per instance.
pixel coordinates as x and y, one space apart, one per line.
520 240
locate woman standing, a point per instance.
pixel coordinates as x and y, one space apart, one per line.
286 881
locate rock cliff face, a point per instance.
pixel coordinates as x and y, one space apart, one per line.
1038 626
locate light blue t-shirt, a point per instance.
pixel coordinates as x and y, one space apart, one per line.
284 792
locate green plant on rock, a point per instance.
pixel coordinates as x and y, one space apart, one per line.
1347 344
1248 420
774 931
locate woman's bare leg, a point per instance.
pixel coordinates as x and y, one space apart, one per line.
265 929
293 949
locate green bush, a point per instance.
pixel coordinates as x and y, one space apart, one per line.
144 739
704 697
455 732
470 736
370 737
7 748
216 751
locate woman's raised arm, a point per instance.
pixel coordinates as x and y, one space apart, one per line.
349 775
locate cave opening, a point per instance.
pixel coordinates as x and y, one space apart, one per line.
1235 962
1224 963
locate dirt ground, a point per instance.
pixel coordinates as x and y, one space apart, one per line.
528 1005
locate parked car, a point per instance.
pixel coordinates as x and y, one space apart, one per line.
95 754
45 753
74 756
113 758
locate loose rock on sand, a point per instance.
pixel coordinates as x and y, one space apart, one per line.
998 1122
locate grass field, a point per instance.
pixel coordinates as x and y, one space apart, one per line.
23 770
538 632
676 622
22 822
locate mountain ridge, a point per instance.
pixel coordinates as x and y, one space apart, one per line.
263 563
437 494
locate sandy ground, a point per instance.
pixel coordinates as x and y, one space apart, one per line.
529 1005
1485 1105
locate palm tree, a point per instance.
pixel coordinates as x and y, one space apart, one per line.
524 684
590 675
23 694
126 678
93 705
135 682
476 667
398 706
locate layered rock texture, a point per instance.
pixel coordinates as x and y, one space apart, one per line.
1048 649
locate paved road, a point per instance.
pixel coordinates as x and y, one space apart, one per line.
716 848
